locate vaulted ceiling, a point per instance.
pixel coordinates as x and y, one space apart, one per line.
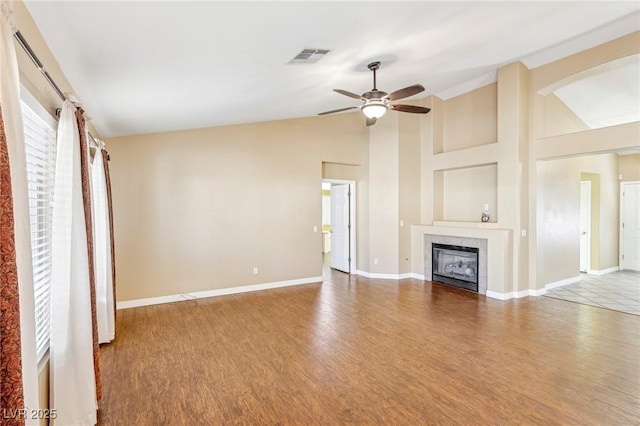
154 66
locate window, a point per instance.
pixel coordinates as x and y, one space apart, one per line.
40 141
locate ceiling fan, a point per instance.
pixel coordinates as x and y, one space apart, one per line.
375 103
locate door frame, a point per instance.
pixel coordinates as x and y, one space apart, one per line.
589 218
352 220
621 229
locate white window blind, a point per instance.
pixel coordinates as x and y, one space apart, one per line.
40 141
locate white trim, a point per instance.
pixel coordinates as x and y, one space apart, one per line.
515 294
213 293
500 296
532 291
603 271
420 277
378 276
36 106
538 292
562 283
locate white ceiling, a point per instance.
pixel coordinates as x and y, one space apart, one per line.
606 95
154 66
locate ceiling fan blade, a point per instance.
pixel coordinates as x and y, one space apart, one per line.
346 93
406 92
410 108
338 110
371 121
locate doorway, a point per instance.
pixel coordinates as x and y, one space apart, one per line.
630 226
585 225
338 225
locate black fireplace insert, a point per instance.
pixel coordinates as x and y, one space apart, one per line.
455 265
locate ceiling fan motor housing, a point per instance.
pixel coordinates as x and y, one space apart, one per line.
374 95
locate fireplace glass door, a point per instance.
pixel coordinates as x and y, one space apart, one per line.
455 265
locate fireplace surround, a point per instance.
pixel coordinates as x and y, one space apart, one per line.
494 253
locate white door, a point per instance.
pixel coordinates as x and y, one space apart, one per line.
340 224
585 225
630 226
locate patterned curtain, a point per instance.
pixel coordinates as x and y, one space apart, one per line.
11 390
105 162
86 195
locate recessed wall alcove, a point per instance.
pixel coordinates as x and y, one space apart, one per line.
463 194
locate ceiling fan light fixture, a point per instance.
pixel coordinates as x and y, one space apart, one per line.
375 103
374 110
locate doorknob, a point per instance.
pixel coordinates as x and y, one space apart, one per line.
584 232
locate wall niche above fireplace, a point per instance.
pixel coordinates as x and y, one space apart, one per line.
462 194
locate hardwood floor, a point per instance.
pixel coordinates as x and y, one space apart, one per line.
355 350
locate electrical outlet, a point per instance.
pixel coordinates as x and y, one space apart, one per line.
255 270
315 229
375 261
486 207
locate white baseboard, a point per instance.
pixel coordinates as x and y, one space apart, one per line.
538 292
562 283
420 277
603 271
213 293
379 276
532 292
511 294
498 295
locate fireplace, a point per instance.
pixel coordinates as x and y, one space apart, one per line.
455 265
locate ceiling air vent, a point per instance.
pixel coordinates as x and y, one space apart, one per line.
309 56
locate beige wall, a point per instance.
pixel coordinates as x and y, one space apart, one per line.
554 238
383 207
555 118
197 210
470 119
608 204
409 168
559 215
466 191
629 167
30 77
340 171
408 184
594 212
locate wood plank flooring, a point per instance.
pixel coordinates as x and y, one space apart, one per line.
356 350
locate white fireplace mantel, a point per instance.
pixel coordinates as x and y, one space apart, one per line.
498 252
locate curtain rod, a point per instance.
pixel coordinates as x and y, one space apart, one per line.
34 58
38 64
